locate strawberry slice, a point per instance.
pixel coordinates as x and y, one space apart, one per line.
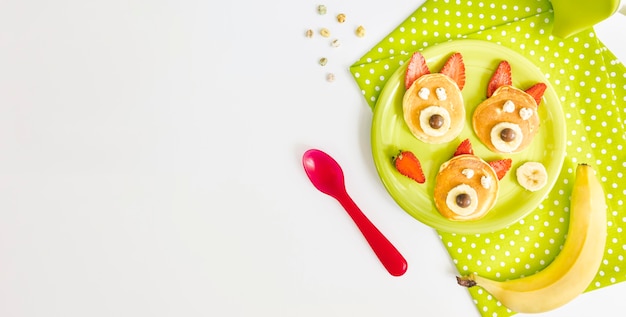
416 69
536 91
455 69
464 148
501 167
501 77
408 165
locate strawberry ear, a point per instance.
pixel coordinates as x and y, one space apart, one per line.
417 68
455 69
501 77
464 148
501 166
536 91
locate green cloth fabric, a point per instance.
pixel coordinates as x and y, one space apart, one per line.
591 84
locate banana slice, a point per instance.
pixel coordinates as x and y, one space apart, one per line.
462 200
532 176
502 144
426 116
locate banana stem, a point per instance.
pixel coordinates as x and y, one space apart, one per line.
466 281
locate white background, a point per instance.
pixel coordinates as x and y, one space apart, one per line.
150 165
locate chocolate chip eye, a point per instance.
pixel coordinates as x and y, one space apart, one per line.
507 135
463 200
435 121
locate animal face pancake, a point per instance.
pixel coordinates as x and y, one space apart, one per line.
507 121
466 188
433 108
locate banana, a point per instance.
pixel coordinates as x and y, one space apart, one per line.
573 269
532 176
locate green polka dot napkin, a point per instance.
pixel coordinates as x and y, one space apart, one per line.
591 84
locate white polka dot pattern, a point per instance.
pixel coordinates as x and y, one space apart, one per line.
591 84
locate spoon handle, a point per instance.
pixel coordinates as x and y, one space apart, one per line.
388 255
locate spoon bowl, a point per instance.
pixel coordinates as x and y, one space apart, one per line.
327 176
324 172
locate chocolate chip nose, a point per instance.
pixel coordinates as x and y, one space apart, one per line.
507 135
463 200
435 121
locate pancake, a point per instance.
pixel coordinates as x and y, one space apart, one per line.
508 108
469 175
434 95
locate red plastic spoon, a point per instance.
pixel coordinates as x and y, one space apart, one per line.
327 176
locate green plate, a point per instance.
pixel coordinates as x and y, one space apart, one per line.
391 134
